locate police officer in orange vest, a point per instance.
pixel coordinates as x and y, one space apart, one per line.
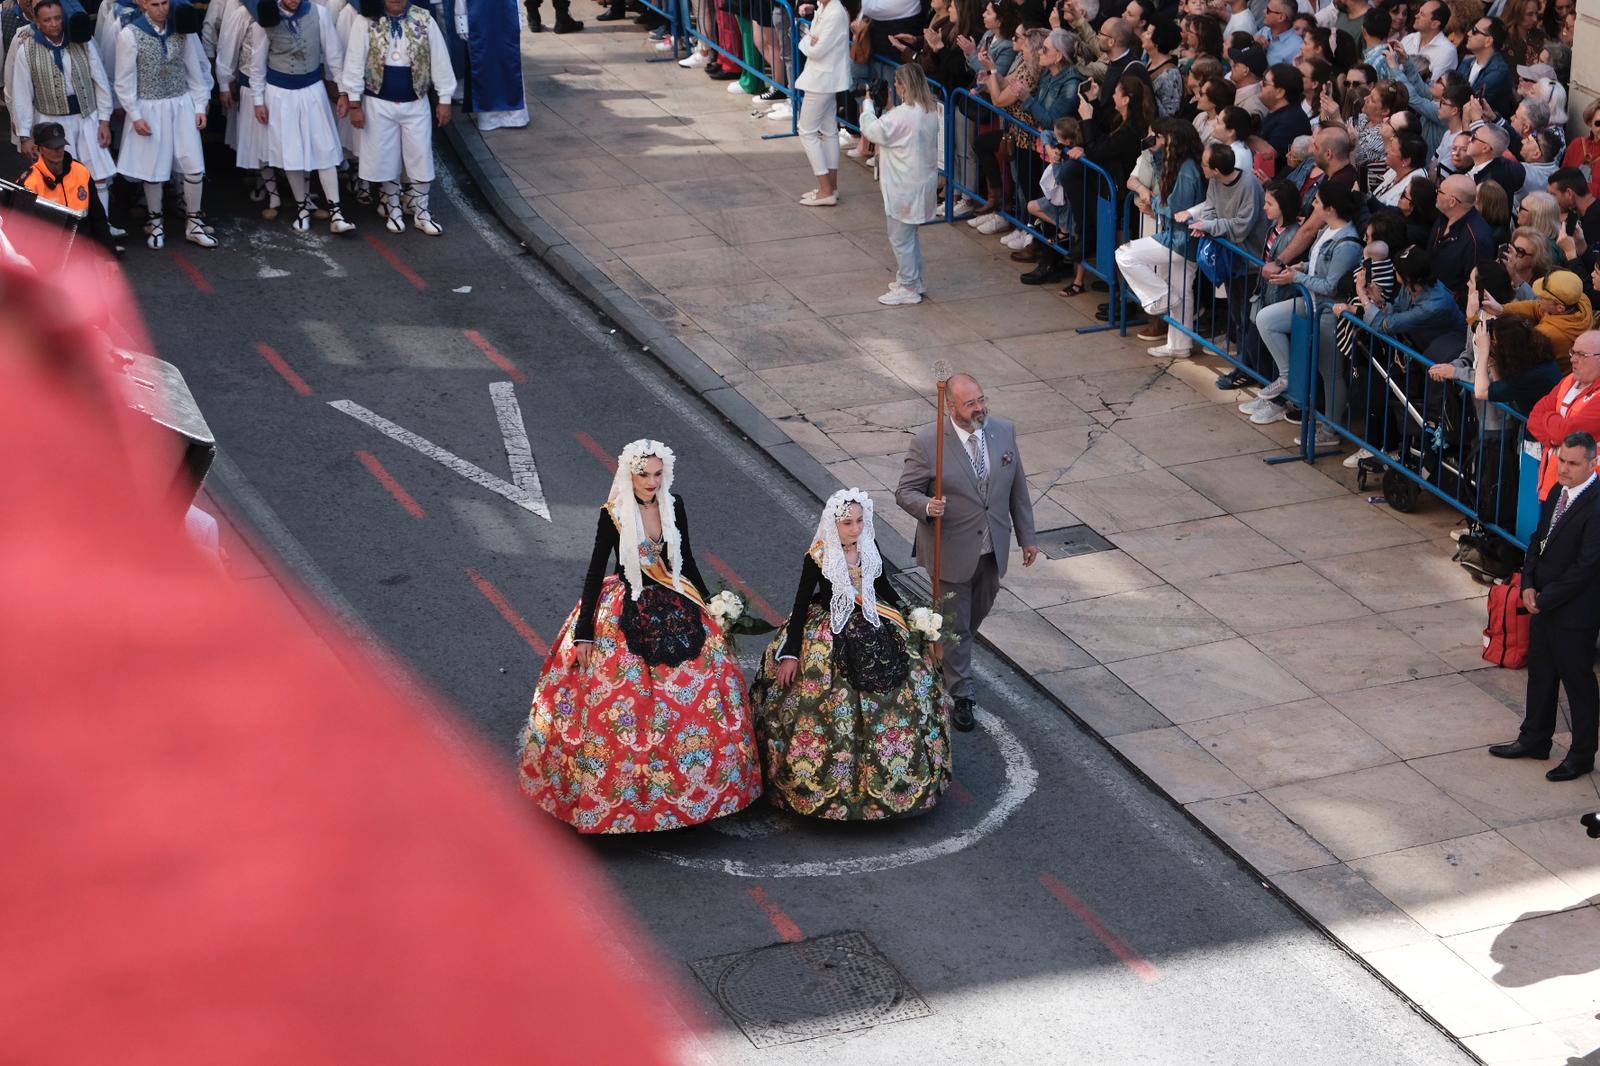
61 179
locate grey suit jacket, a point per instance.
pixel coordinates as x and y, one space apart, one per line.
1005 506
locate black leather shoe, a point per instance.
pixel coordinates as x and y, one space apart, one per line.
535 21
716 73
1521 749
568 24
611 16
1045 273
1236 380
1570 769
961 717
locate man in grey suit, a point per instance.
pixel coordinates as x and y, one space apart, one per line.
986 494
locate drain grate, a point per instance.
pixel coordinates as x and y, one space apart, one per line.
830 984
1067 541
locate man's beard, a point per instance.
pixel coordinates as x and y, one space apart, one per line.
977 419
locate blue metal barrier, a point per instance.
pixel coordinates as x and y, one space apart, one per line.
1436 436
1094 193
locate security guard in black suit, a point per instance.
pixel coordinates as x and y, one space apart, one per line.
1561 590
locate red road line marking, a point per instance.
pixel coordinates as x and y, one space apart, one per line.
592 446
785 925
1118 946
284 370
389 256
751 595
959 793
496 358
508 612
193 271
387 480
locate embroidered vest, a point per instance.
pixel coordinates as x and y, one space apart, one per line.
160 65
294 48
414 38
50 88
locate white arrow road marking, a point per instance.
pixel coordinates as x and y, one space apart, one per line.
524 489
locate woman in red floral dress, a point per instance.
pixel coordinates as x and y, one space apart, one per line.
640 719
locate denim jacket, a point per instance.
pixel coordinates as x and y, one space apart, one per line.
1004 54
1056 95
1187 191
1338 257
1421 319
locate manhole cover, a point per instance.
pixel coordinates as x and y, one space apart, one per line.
1068 541
790 992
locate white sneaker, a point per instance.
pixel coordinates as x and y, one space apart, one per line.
1323 438
1274 390
854 152
995 226
1167 351
735 87
846 139
896 296
811 199
1353 461
663 46
781 112
977 220
967 203
1267 413
1017 239
1249 406
694 61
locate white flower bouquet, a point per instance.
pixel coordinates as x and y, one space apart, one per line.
726 607
926 628
926 621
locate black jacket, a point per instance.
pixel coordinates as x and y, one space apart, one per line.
606 544
1566 573
814 588
1508 175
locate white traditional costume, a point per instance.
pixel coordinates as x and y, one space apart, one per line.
291 55
162 80
390 66
246 136
60 81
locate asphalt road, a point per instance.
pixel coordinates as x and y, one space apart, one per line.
1053 909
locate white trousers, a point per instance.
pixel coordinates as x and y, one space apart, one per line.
1163 282
172 145
819 131
396 137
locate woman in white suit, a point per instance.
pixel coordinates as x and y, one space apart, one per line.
907 137
826 74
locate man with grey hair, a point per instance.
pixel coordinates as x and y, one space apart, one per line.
1561 591
1487 151
1530 117
985 497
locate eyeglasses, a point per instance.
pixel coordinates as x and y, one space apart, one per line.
1520 252
1585 355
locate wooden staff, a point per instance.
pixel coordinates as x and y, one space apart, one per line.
941 376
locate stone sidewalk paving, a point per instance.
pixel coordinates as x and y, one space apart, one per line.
1298 667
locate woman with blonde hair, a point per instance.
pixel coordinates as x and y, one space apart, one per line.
1540 213
907 137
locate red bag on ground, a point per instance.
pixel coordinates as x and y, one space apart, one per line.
1505 638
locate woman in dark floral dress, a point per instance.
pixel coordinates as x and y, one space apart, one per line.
851 724
640 719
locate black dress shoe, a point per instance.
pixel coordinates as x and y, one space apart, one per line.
1521 749
1236 380
1570 769
1045 273
961 717
568 24
611 16
716 73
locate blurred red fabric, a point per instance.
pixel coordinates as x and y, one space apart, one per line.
221 845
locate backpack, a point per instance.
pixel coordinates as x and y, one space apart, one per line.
1505 638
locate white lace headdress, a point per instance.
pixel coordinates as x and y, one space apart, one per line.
630 527
833 564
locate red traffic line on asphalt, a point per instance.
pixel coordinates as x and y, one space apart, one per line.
393 259
193 271
388 481
285 371
592 446
494 356
1119 947
786 926
508 612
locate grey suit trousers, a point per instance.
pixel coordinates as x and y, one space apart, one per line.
970 604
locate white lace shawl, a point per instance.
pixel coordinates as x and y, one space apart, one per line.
625 509
833 564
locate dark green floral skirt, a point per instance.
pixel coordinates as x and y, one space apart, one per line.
833 752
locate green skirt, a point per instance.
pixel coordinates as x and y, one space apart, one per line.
833 752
